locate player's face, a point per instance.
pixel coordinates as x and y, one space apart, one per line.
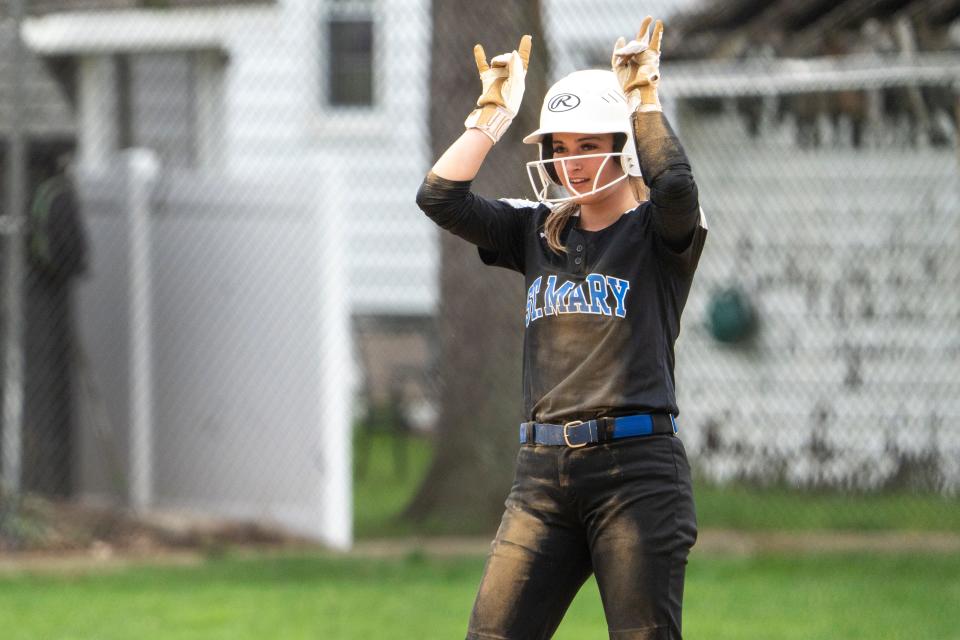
581 175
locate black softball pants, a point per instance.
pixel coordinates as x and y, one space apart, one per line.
621 510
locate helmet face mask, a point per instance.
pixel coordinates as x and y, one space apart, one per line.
582 102
544 173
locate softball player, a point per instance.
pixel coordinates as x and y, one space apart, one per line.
602 483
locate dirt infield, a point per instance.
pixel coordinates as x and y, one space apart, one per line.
719 541
726 541
102 557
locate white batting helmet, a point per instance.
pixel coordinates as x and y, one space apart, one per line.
582 102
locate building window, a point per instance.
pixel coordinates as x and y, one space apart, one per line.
171 102
350 62
157 106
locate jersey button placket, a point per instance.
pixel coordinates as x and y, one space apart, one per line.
576 243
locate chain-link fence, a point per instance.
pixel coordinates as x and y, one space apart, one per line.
241 274
837 235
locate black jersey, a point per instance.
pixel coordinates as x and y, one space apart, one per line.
601 320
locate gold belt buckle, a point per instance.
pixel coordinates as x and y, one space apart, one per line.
566 437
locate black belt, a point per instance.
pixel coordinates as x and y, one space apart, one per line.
579 433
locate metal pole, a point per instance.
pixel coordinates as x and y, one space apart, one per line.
13 231
142 168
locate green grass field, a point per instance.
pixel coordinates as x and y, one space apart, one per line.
833 597
766 509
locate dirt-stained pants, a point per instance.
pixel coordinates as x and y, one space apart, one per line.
622 510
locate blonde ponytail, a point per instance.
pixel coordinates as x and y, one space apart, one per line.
639 188
555 222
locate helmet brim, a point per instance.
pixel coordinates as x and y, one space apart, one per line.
538 135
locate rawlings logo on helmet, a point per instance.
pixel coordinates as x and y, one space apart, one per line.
563 102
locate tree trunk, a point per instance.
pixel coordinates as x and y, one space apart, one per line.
481 308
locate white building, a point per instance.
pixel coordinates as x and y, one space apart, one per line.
247 89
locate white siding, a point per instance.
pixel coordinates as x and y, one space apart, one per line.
850 257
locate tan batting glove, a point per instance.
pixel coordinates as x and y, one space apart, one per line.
637 65
503 83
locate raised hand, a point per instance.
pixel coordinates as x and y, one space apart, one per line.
503 86
637 66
